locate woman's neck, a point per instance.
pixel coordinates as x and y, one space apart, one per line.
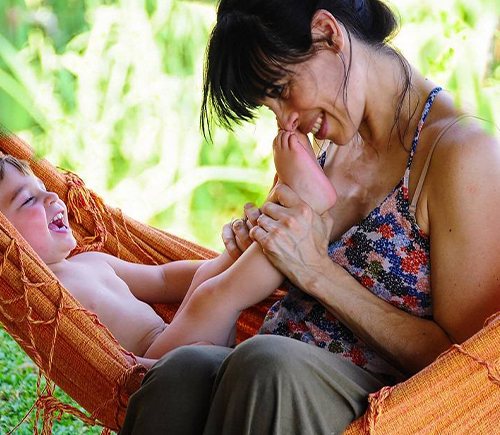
379 128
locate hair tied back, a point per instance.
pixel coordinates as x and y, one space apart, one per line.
363 10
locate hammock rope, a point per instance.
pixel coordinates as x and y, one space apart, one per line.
376 400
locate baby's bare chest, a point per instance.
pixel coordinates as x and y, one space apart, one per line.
95 285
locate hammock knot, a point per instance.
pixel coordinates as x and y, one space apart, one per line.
80 198
375 404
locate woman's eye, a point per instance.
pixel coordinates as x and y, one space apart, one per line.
278 91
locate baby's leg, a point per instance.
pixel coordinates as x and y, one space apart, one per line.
297 168
206 271
214 307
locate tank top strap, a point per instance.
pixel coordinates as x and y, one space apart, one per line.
418 190
416 137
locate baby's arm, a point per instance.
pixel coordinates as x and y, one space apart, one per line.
157 283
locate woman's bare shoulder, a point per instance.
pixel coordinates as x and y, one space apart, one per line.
466 149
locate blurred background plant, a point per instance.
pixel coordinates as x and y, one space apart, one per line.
111 89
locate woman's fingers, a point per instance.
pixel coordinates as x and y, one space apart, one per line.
273 210
266 223
235 234
251 214
258 234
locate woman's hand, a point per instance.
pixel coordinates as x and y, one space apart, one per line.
293 237
235 234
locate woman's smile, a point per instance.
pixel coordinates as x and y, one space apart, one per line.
320 128
317 124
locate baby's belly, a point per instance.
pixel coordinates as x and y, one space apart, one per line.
133 323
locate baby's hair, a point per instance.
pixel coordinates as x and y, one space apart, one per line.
21 165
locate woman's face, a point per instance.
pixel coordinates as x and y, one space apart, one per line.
312 99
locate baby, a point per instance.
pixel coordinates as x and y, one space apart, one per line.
119 292
116 290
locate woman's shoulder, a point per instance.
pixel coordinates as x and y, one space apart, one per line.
463 180
465 146
465 161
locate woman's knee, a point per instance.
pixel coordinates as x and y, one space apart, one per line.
175 394
265 354
187 365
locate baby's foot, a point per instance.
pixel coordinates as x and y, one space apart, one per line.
298 168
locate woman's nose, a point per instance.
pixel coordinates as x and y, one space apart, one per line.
288 121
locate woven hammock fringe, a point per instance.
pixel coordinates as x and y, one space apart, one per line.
80 198
49 408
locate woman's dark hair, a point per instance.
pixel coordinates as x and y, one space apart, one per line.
253 41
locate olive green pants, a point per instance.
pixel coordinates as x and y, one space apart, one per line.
266 385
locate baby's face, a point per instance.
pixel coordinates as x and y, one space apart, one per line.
39 216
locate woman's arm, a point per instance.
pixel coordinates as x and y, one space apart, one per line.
464 211
295 240
407 341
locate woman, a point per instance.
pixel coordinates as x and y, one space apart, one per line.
417 208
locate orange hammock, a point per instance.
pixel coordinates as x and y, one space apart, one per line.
458 394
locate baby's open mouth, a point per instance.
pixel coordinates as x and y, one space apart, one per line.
57 224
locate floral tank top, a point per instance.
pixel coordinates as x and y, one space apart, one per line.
388 254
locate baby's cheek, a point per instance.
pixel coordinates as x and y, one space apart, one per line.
34 238
35 215
34 229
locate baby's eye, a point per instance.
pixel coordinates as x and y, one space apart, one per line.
31 198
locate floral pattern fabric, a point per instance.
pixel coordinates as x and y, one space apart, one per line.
388 254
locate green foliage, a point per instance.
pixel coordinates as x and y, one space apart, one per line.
111 89
120 81
18 377
456 44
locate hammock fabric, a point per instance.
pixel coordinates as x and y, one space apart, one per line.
458 394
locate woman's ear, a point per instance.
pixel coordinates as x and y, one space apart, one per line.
325 28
